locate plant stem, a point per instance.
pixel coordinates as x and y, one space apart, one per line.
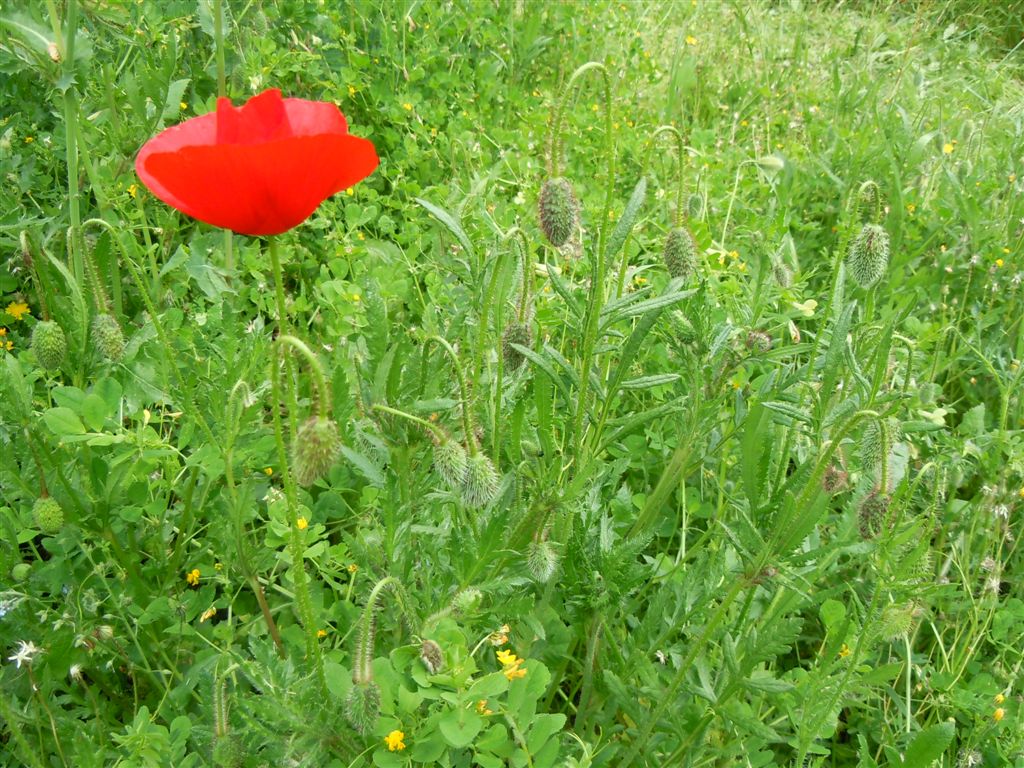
467 417
437 431
222 92
323 402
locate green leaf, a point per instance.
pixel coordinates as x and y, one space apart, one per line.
63 421
832 613
366 467
94 412
460 726
626 221
543 728
929 745
450 222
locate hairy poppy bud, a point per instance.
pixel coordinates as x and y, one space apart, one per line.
467 600
480 483
783 275
759 342
834 480
868 255
315 449
432 656
49 344
228 752
897 620
872 512
868 201
559 211
516 333
48 514
680 253
877 442
542 560
362 706
450 463
108 337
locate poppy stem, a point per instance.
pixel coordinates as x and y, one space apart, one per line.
222 91
304 602
323 403
467 416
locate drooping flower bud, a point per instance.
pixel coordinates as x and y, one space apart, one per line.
480 482
450 463
48 515
362 706
108 337
759 342
559 211
542 560
516 333
315 450
680 253
834 480
872 513
432 656
49 344
868 255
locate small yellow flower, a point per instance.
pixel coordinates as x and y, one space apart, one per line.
999 714
192 577
482 709
8 346
999 262
501 636
17 309
349 192
691 40
302 524
183 105
395 741
999 698
507 658
268 471
1006 250
218 566
911 207
352 568
207 614
947 148
844 651
514 672
321 633
360 235
1021 493
29 139
133 190
1012 177
351 90
742 266
407 107
3 331
806 308
744 123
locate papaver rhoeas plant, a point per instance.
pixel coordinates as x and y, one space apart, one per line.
258 169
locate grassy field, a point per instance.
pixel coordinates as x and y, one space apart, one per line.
656 401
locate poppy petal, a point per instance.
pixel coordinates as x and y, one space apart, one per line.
197 131
262 189
262 118
311 118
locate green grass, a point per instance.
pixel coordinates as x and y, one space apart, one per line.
756 515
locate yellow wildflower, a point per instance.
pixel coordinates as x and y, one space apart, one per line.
3 331
395 741
501 636
207 614
321 633
482 709
8 345
999 714
133 190
999 262
1000 698
17 309
844 651
192 577
29 139
351 90
514 672
1012 177
1006 250
691 40
183 105
352 568
911 207
507 658
302 523
349 192
268 471
806 308
947 148
407 107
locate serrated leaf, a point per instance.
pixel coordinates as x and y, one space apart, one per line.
625 224
450 222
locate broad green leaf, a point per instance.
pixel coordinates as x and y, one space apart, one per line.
63 421
460 726
929 745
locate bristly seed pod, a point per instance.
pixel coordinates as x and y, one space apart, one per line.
362 706
868 255
467 601
480 483
48 514
49 344
450 463
559 211
315 450
680 254
108 337
432 656
515 333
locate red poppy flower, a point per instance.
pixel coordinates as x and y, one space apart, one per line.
258 169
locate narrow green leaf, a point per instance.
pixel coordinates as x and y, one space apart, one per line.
450 222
